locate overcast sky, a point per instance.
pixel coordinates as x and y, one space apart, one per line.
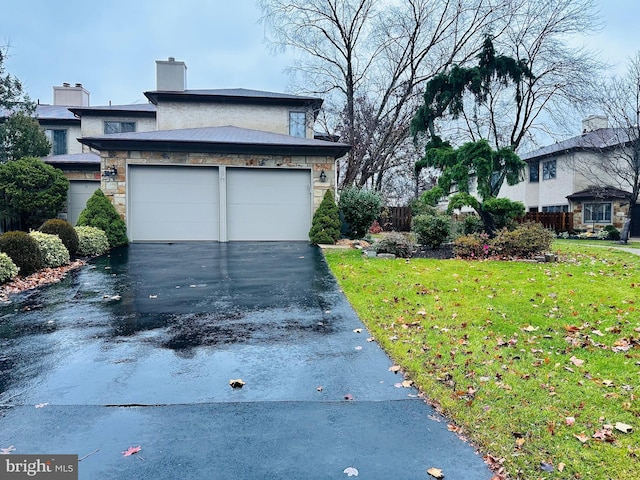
111 46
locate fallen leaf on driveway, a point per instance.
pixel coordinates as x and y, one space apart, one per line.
236 383
7 450
131 450
357 330
40 405
435 473
153 296
348 396
351 471
358 347
395 368
623 427
319 388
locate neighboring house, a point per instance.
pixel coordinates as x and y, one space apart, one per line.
562 178
222 165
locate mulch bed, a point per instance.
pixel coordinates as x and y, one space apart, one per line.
41 277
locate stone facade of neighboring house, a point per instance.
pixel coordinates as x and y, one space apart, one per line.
561 177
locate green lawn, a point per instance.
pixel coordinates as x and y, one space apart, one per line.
535 363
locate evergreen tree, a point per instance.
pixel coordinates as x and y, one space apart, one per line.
325 226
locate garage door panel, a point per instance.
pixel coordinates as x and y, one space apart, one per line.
268 204
172 203
79 192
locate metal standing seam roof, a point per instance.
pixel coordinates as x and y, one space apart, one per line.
215 139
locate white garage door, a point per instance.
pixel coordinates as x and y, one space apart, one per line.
168 203
79 193
268 204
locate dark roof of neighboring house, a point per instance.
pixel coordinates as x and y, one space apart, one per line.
73 158
599 193
600 139
216 140
234 95
133 110
49 114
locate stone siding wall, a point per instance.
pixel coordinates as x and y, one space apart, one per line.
619 213
115 188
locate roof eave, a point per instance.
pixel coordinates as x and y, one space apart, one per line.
154 96
336 151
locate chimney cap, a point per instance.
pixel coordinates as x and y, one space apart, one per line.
66 84
172 59
79 85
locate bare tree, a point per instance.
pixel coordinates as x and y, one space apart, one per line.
535 107
615 161
371 59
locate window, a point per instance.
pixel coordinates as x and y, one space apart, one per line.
597 212
119 127
534 171
58 141
549 170
555 208
298 124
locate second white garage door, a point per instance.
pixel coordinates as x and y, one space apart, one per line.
268 204
181 203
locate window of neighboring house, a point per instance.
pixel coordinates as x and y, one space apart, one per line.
298 124
534 171
119 127
555 208
597 212
549 169
58 140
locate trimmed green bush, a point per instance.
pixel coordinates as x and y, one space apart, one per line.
526 241
359 208
100 213
612 232
395 243
64 230
325 226
54 253
505 212
431 230
8 269
91 241
474 246
23 250
31 191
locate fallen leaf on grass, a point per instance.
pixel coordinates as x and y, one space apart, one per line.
530 328
435 473
351 471
561 466
582 437
570 420
576 361
236 383
546 467
623 427
131 450
7 450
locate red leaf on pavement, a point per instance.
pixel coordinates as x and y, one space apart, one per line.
131 450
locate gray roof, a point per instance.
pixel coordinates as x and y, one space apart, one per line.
216 139
54 112
88 158
599 139
239 95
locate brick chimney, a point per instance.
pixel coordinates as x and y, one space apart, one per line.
171 75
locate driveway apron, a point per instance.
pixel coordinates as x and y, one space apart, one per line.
138 348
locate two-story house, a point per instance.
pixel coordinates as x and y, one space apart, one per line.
225 164
572 176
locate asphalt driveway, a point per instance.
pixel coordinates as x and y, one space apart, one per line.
138 349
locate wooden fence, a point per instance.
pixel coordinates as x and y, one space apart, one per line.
558 221
396 219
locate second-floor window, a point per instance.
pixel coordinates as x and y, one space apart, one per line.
58 140
549 170
534 171
119 127
298 124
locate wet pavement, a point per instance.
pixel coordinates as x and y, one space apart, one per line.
138 349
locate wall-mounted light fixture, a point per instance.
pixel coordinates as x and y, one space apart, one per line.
323 176
112 172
